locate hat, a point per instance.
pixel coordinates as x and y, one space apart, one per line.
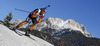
45 7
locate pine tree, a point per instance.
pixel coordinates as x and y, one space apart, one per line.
7 20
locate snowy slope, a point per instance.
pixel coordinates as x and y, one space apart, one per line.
10 38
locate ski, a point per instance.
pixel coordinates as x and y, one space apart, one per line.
30 37
21 34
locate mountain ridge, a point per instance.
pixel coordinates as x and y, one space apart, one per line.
58 24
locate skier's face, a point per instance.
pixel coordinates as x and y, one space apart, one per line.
43 11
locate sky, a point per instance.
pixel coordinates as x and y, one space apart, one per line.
86 12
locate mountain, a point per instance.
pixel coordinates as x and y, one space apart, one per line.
61 33
58 24
10 38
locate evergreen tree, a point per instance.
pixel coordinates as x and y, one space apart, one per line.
7 20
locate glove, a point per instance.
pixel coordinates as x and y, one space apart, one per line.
41 17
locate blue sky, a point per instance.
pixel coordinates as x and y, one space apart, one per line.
86 12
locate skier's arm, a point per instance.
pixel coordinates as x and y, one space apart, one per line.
34 13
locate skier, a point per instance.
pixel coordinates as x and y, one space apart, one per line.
37 13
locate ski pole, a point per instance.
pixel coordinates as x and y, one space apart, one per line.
47 6
23 10
28 11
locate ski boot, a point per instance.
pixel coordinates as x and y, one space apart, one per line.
15 28
27 33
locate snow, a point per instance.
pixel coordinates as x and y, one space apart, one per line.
57 23
10 38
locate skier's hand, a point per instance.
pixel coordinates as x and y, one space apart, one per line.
41 16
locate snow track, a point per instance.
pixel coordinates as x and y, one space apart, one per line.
10 38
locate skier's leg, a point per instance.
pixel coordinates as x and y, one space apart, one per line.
34 21
32 27
26 21
27 33
22 23
29 30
